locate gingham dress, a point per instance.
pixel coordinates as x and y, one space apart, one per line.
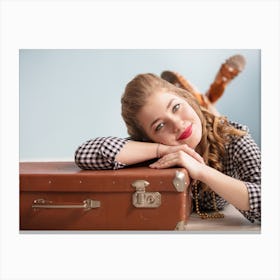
242 161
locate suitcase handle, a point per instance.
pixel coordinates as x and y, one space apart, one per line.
88 204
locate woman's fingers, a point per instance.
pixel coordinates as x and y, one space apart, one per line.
165 162
192 153
183 159
169 160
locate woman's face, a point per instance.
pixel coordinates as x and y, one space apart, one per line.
168 119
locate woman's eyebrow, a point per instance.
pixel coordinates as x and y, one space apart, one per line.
170 103
167 108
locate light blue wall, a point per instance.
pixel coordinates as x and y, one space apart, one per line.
70 96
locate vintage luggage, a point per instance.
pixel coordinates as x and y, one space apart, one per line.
60 196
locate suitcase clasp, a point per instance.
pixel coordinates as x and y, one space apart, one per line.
143 199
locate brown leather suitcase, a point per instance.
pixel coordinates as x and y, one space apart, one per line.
60 196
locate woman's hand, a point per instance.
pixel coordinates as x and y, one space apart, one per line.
182 156
165 150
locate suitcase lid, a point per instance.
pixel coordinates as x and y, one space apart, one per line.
67 177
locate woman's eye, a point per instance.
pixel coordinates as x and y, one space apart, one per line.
159 127
176 108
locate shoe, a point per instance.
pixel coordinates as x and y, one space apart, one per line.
227 72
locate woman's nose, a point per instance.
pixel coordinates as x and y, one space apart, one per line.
177 124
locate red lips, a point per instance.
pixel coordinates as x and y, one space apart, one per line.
187 133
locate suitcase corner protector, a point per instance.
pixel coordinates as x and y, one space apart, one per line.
180 226
179 181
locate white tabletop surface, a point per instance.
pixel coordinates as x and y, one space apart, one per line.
233 221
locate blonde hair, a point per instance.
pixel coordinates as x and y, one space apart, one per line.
216 131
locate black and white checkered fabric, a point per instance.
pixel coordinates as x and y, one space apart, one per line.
242 161
100 153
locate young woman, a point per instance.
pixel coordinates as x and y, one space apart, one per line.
166 123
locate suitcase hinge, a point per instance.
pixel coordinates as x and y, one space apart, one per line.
143 199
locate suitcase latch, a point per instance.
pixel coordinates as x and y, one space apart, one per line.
143 199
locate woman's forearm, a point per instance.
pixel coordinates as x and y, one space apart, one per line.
232 190
135 152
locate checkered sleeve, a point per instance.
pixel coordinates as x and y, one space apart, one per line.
243 162
248 162
100 153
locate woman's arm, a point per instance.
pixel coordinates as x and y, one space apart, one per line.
232 190
134 152
235 191
100 153
113 153
241 183
116 153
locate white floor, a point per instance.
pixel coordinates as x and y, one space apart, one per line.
233 221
